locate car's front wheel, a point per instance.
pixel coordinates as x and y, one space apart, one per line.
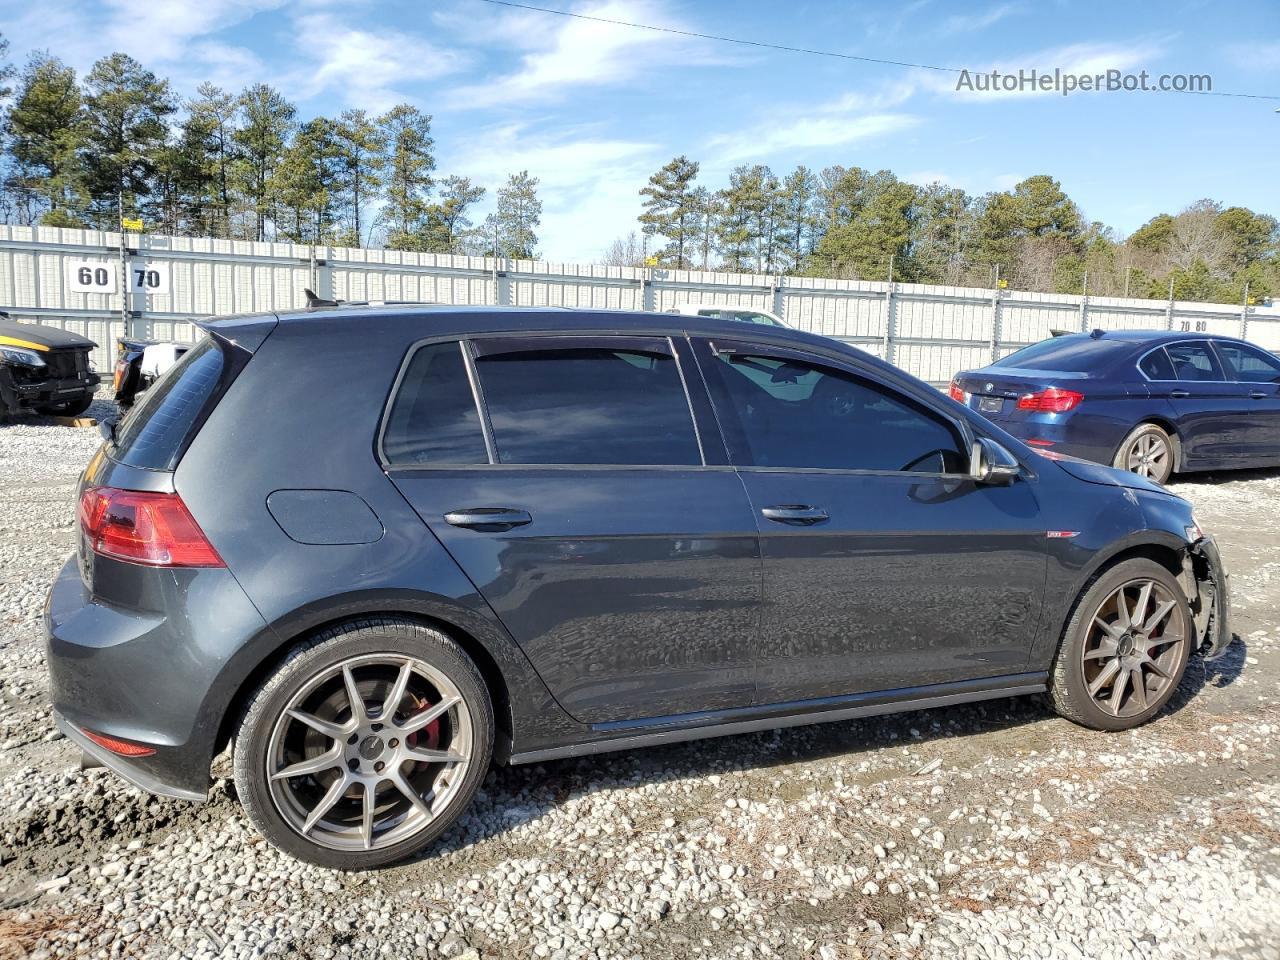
365 744
1124 649
1147 451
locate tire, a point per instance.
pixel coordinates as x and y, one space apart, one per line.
1147 451
315 680
1088 650
67 408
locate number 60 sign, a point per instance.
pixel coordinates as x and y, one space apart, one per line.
102 276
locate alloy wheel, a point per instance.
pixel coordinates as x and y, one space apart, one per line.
369 752
1133 646
1149 456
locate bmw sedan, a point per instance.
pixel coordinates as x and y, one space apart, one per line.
1155 403
519 535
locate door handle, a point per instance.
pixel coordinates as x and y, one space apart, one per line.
1257 394
488 518
1179 393
795 513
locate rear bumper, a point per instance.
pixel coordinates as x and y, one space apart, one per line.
149 666
1072 434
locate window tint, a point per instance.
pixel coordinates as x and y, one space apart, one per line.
796 414
434 418
1156 365
1249 364
588 405
153 434
1193 361
1075 352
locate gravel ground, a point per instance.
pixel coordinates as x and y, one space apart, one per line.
988 831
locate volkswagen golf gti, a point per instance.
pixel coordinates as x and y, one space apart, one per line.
514 535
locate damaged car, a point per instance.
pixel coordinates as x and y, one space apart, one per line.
44 370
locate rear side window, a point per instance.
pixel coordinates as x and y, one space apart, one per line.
1156 366
588 405
155 432
1249 364
434 418
1193 361
1075 353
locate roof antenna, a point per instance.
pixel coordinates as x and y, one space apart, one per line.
1097 333
314 301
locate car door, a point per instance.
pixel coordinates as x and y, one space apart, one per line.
885 565
1211 411
566 476
1258 372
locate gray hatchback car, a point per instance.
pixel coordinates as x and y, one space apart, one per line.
379 549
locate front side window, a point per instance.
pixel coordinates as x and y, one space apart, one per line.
794 413
588 405
1249 364
434 418
1193 360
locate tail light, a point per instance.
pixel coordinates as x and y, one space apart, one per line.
1052 400
151 528
957 393
118 379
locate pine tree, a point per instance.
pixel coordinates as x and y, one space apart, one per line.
446 219
360 160
305 183
409 162
670 211
878 233
798 218
941 232
266 122
517 217
44 136
124 124
213 112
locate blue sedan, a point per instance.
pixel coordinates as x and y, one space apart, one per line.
1152 402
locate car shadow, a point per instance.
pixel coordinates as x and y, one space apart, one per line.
514 796
1216 477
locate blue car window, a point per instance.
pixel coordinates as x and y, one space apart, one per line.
1156 366
1193 360
1249 364
1074 353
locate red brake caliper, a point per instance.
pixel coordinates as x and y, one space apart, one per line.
429 736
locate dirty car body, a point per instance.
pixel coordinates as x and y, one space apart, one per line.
607 605
44 369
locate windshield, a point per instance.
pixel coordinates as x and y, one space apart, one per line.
1076 353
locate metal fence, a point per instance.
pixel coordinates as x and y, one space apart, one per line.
929 330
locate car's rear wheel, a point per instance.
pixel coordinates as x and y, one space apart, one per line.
1147 451
365 745
1124 650
67 408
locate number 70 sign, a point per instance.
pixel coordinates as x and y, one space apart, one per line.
103 276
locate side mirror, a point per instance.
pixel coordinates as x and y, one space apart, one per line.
991 463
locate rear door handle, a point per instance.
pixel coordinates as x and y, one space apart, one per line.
1179 393
488 518
1257 394
795 513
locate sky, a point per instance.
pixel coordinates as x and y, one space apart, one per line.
593 109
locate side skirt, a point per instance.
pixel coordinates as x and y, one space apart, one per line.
655 731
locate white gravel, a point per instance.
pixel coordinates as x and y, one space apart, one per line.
992 831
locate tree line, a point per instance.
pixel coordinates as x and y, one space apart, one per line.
85 152
118 142
850 222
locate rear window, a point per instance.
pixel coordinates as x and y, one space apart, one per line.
1074 354
1156 365
154 433
434 417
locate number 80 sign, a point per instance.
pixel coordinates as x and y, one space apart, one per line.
102 276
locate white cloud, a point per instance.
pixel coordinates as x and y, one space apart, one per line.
366 68
563 54
852 117
970 22
588 184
